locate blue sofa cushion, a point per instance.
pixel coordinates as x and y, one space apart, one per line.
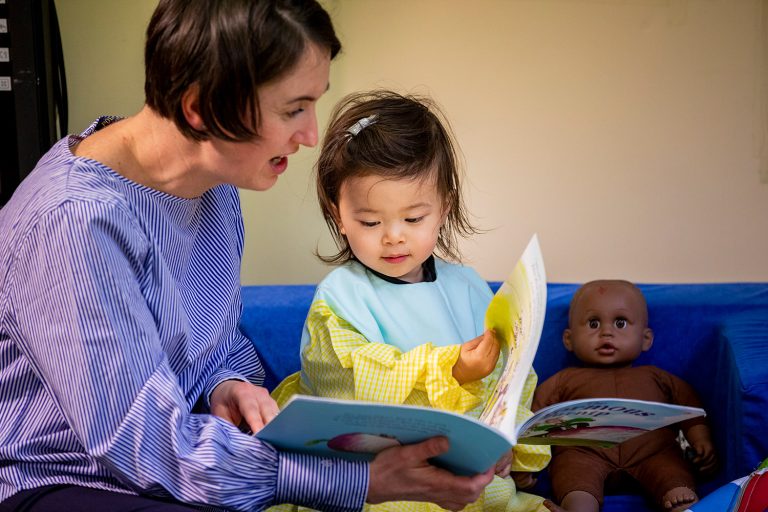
714 336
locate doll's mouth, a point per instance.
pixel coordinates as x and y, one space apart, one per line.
606 349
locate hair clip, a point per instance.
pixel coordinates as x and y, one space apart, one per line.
362 124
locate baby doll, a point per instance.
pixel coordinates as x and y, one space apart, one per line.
608 330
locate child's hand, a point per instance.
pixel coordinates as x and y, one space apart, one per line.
477 358
523 479
701 442
504 466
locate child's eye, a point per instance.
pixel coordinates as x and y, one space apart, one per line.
414 220
620 323
593 323
369 224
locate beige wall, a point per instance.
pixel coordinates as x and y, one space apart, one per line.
632 135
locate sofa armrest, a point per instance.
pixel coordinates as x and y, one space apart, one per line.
741 389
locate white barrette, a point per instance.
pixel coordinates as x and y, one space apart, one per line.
362 124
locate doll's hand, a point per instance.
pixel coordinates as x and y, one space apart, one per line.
523 479
477 358
704 451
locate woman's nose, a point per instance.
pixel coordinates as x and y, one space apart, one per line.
307 134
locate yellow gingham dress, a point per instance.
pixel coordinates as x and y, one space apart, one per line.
338 361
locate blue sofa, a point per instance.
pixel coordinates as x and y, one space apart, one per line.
714 336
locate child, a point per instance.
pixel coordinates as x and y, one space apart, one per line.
608 330
392 322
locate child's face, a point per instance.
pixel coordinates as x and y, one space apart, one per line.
391 226
608 326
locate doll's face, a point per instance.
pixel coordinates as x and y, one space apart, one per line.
608 325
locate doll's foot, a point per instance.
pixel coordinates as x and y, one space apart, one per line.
574 501
551 506
679 499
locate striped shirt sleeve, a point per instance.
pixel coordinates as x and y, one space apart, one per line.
82 322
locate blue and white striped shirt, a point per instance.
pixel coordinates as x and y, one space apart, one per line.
119 310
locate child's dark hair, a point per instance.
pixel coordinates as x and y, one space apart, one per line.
228 49
409 138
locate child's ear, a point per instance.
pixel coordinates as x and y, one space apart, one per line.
337 219
567 341
647 339
190 106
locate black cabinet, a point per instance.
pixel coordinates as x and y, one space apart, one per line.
33 95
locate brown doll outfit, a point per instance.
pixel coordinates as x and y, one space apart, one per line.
654 459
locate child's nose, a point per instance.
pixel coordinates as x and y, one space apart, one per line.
393 235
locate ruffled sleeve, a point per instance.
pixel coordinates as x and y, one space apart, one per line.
339 362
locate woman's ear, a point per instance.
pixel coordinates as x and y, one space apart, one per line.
647 339
190 106
567 341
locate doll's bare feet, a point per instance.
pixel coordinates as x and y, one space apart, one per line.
679 499
550 505
575 501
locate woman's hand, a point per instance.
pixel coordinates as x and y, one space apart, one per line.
244 405
404 473
477 358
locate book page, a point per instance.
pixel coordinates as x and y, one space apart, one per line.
601 421
516 315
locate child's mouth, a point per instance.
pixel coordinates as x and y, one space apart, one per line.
395 259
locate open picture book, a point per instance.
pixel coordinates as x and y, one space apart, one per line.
359 430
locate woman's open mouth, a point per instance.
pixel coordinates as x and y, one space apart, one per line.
279 164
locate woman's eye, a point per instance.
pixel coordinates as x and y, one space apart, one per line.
294 113
593 324
620 323
414 220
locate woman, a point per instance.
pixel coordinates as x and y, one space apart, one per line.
123 376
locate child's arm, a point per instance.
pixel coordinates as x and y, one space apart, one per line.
340 362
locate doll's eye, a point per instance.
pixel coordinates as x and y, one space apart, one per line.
593 323
620 323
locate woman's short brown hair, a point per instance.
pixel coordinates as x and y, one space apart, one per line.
228 49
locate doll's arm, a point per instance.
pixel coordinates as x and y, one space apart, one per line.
700 439
339 361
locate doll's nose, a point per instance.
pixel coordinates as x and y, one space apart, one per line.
606 331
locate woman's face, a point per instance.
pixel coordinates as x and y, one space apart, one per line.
288 120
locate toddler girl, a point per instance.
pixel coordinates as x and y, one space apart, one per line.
394 322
